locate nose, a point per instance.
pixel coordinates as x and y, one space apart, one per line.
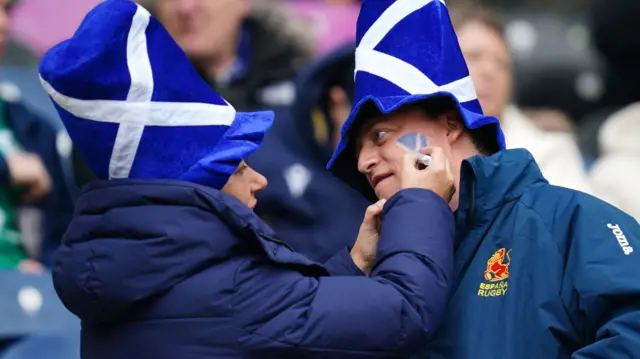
260 182
367 161
488 69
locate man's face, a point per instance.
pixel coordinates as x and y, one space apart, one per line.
489 62
380 158
4 24
339 109
202 28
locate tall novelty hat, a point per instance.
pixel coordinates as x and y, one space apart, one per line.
135 107
407 52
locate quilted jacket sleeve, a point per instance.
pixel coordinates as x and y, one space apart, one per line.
390 314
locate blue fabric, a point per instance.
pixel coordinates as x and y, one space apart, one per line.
28 82
108 61
327 214
167 269
570 292
425 40
19 319
51 346
38 135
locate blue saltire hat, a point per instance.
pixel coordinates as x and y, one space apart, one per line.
135 107
407 52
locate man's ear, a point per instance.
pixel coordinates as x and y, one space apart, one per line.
455 127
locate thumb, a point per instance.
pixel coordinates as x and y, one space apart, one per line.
373 211
380 204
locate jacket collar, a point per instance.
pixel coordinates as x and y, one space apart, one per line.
489 182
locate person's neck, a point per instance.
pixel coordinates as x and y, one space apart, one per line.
219 67
457 156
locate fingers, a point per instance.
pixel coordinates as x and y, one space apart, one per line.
376 208
29 266
434 152
38 189
438 156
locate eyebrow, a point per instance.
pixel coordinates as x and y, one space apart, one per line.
365 129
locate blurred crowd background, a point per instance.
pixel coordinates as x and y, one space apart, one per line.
562 76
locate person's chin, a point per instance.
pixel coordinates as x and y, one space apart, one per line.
385 190
252 203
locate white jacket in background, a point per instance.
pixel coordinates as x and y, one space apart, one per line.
615 177
556 153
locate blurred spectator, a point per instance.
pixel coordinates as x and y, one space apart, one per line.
482 41
306 205
554 67
14 52
616 174
612 134
248 50
18 54
614 29
31 175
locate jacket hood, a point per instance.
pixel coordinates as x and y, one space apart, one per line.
310 109
132 240
488 182
621 132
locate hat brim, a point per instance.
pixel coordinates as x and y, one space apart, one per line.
343 163
244 137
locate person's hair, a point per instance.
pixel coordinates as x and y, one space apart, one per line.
466 14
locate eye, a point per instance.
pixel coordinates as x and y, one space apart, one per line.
378 135
241 168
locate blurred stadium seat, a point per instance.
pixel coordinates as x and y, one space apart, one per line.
46 346
30 305
22 84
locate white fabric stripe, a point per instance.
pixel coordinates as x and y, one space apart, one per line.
165 114
138 60
125 148
409 78
462 89
129 134
394 70
388 20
